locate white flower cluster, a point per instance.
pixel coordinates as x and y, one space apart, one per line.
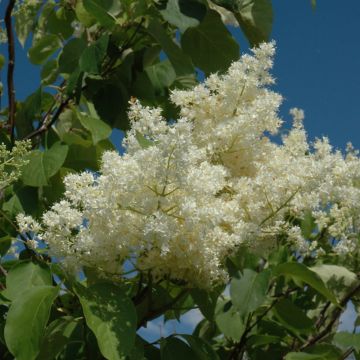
11 162
187 194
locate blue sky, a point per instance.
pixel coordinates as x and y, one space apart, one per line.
316 67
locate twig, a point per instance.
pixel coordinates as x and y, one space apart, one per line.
10 69
48 121
3 271
280 207
47 124
239 346
132 37
345 355
7 218
123 47
320 321
334 316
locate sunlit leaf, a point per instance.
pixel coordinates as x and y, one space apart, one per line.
44 164
111 315
27 319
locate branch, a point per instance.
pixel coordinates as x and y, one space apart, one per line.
3 271
334 316
48 121
46 124
347 353
320 321
127 43
10 70
238 349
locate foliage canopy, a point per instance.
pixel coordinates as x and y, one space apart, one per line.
96 56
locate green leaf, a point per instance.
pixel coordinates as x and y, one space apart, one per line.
43 48
300 272
99 130
32 106
111 102
74 84
302 356
229 320
59 22
70 129
28 112
201 348
206 302
49 72
249 291
13 206
56 337
326 351
317 352
88 157
340 274
151 352
25 18
143 141
151 55
260 340
83 16
81 157
185 82
44 164
181 62
183 13
91 58
137 353
307 225
24 200
345 340
243 258
255 18
24 276
5 244
206 330
99 9
143 89
111 315
210 45
292 317
161 75
159 298
26 321
176 349
69 57
55 191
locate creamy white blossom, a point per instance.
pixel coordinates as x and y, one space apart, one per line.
12 161
185 195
